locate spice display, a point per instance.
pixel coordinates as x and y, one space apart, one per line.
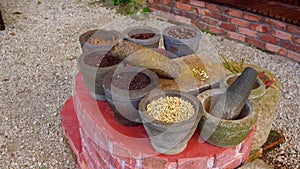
138 81
170 109
98 41
98 60
125 48
200 72
266 80
182 33
143 36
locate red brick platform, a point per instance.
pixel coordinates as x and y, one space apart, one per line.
100 142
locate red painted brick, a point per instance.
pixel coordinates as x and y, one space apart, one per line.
293 29
168 2
294 56
106 156
154 6
197 3
236 36
192 163
214 7
172 165
233 12
192 16
182 19
225 157
252 17
122 152
183 6
247 146
200 25
290 45
200 11
228 26
183 1
297 39
260 28
209 20
218 16
269 38
155 163
248 141
88 159
239 22
216 30
98 156
233 164
164 8
255 42
248 32
275 23
282 35
176 11
276 49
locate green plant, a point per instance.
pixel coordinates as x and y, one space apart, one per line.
232 66
118 2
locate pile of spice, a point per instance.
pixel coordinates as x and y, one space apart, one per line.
181 33
99 41
170 109
138 81
125 48
143 36
98 60
200 72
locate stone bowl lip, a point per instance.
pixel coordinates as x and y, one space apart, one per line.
206 94
149 29
189 27
83 65
83 37
122 94
261 86
155 94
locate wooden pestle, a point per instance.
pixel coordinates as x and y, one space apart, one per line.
230 104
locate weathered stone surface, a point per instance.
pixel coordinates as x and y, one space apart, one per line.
222 132
229 105
155 61
265 108
257 164
188 80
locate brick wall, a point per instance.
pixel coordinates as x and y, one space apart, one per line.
263 32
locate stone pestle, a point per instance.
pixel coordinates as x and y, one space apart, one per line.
231 102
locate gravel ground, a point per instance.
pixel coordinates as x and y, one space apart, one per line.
38 57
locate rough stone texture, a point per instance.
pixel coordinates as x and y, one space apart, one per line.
188 80
229 105
155 61
222 132
265 107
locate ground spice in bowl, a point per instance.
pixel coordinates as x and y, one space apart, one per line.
97 59
170 109
138 81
